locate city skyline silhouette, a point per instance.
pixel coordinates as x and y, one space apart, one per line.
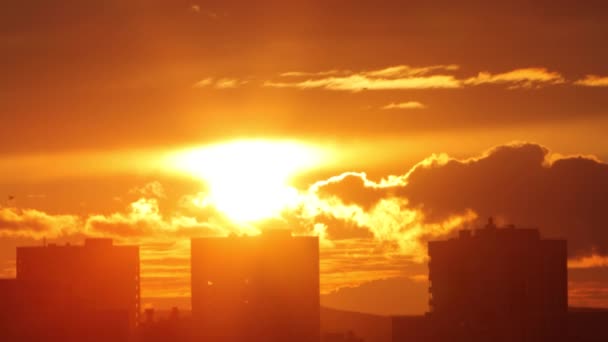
499 283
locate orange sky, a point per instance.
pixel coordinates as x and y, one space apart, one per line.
98 100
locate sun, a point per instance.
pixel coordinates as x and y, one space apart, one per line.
249 179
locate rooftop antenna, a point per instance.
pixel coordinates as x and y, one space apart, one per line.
490 224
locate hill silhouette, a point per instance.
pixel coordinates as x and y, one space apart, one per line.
370 327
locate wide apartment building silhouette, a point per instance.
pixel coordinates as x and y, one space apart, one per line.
493 284
75 293
261 288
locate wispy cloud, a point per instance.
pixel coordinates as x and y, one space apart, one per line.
203 83
359 82
197 9
518 78
593 81
221 83
405 105
406 77
225 83
406 70
591 261
409 77
318 73
393 77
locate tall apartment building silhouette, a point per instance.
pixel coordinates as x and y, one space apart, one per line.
69 292
503 284
9 305
262 288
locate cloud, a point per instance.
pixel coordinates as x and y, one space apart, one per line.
593 81
405 105
152 189
388 72
352 188
518 78
406 70
525 184
405 77
587 294
225 83
394 77
319 73
221 83
8 269
408 77
589 261
359 82
396 227
203 83
165 268
197 9
145 222
420 278
31 223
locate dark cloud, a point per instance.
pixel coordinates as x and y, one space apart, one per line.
340 229
521 184
351 188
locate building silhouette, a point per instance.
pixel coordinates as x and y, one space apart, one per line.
75 293
348 336
263 288
415 328
587 325
9 305
502 284
173 328
489 284
493 284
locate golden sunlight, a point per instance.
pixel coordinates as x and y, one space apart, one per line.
249 179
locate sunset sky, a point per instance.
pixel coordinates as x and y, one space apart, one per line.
376 125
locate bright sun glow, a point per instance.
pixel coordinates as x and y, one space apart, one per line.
249 179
